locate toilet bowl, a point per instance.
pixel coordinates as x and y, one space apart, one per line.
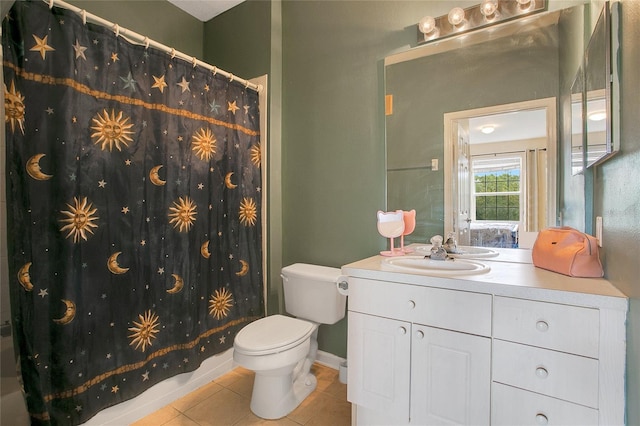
273 347
281 349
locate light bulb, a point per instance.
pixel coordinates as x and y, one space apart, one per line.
488 7
456 16
427 24
526 4
597 116
487 129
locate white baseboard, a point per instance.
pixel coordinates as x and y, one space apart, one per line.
329 360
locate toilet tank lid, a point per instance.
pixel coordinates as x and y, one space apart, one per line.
305 270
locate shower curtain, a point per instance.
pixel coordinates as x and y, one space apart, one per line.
134 209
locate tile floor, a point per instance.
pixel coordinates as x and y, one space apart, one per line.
225 401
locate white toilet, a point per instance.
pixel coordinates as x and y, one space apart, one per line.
281 349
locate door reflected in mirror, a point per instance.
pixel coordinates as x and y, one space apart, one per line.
499 169
577 124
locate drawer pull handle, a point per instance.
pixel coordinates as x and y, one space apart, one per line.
402 330
419 334
542 372
542 326
411 304
541 419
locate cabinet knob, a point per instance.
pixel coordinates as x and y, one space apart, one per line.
542 326
411 304
402 330
541 419
542 372
419 334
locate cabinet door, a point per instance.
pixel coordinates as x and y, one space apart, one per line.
379 364
450 377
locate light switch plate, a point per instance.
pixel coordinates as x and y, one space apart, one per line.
599 230
434 164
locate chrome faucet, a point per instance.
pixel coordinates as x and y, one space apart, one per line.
451 246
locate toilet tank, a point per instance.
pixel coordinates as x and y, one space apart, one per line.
310 293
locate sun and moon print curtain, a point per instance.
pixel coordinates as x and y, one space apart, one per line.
134 209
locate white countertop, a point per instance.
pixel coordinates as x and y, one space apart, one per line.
514 278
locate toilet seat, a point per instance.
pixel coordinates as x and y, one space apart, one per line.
272 334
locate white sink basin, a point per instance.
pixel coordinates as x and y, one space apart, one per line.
464 252
438 268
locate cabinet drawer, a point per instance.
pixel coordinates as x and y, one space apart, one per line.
450 309
548 325
570 377
511 406
455 310
385 299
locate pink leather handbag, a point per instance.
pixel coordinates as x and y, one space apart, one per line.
567 251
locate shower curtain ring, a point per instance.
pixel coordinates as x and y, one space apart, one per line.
146 42
214 69
51 4
231 77
194 61
173 53
116 29
83 13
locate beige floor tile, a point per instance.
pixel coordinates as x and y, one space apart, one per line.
321 409
229 378
253 420
224 408
160 417
243 386
197 396
337 390
325 376
181 420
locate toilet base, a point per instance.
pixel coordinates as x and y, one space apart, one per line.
274 395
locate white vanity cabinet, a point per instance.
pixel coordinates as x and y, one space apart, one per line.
516 346
418 355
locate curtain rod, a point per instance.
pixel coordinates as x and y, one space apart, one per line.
140 39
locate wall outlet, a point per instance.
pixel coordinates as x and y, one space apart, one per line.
434 164
599 230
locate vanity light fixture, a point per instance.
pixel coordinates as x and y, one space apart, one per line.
488 12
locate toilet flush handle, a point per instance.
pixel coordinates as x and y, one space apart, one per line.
343 285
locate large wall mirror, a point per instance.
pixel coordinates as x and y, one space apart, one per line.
496 73
601 88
